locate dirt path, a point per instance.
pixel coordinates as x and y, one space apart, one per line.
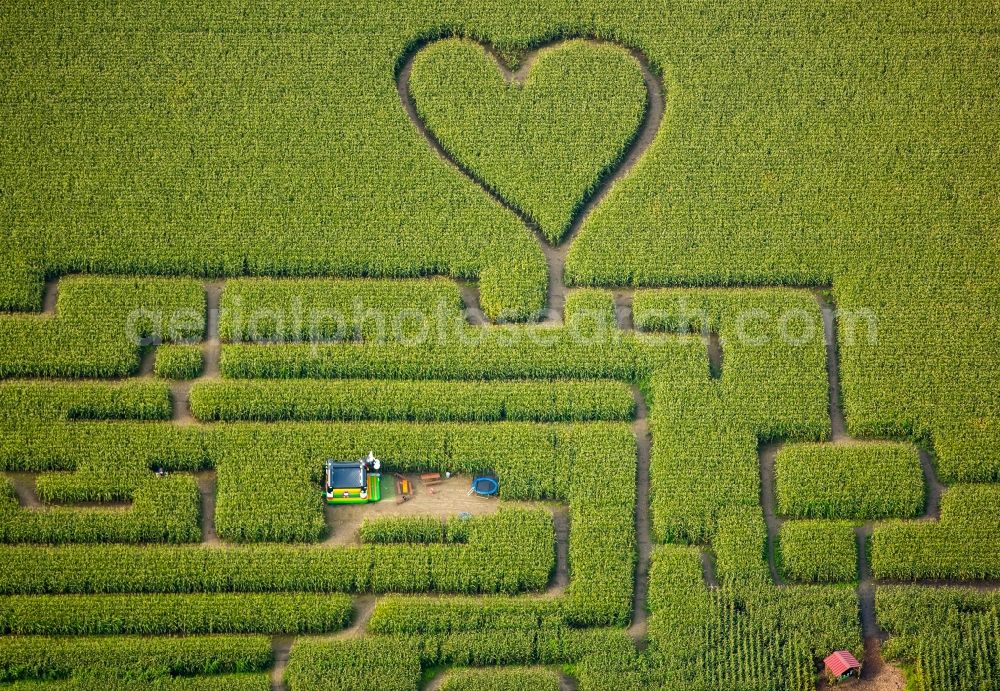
435 683
212 345
50 296
934 488
715 355
866 586
623 310
146 362
838 422
24 487
769 504
206 487
473 309
567 683
708 569
181 411
210 352
363 609
877 675
560 580
643 528
281 646
555 257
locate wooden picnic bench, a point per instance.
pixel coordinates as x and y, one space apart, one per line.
404 488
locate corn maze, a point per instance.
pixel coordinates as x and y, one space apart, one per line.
709 289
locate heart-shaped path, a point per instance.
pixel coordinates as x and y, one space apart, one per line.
547 141
543 138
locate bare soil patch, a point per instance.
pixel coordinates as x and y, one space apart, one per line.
877 674
448 498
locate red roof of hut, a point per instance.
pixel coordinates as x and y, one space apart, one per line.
841 662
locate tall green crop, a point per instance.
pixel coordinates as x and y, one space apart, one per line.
513 679
860 481
945 635
818 551
419 401
100 326
964 544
